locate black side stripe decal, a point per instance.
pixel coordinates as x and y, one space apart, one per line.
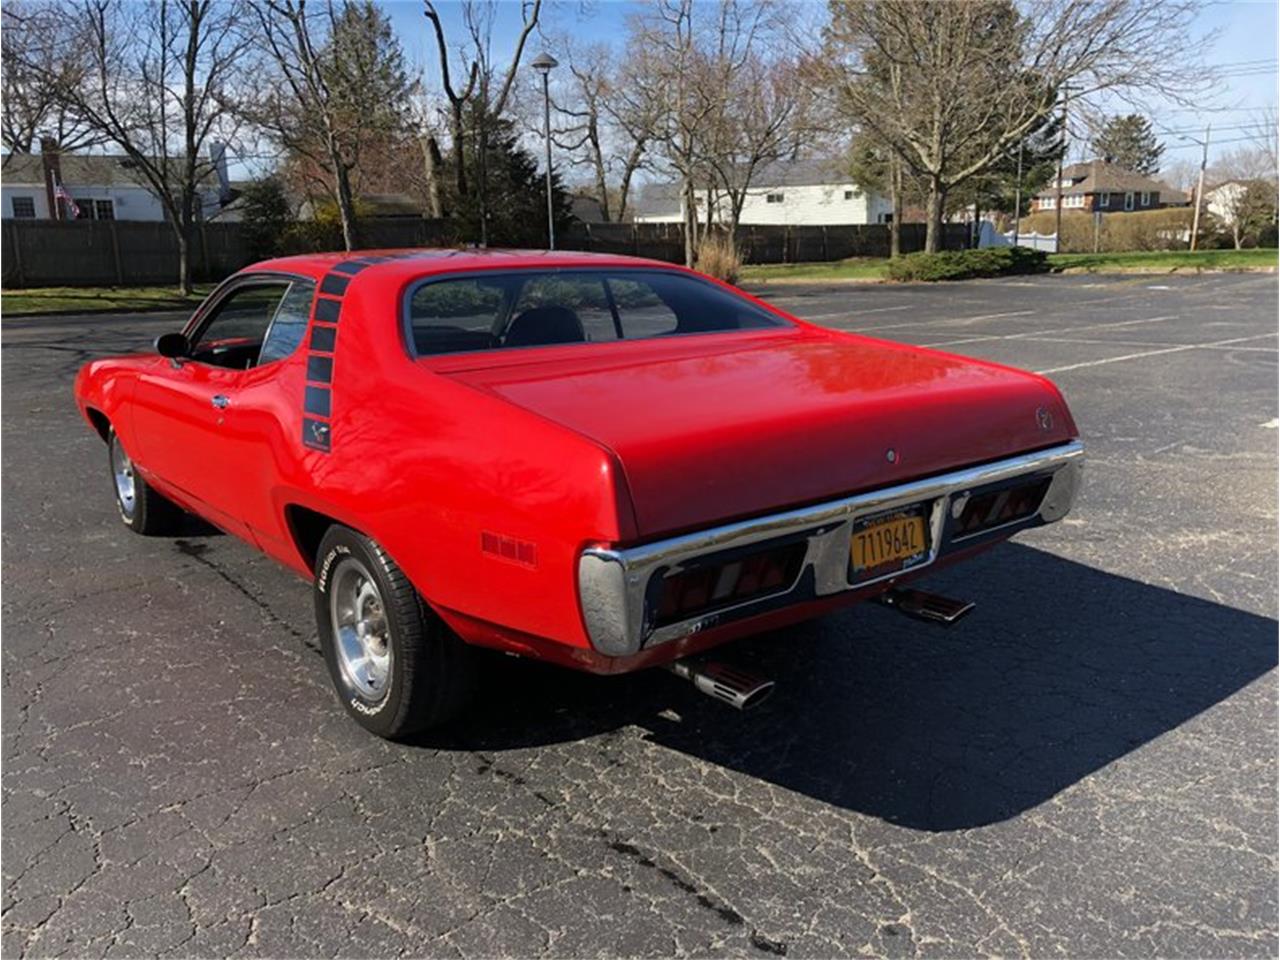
335 285
317 396
327 310
316 401
322 338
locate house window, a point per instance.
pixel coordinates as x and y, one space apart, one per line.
85 206
1128 201
104 209
1104 200
773 198
850 194
1048 203
24 208
886 218
1146 198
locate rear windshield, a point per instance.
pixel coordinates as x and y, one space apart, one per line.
491 311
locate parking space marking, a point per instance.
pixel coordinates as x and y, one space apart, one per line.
1026 334
1154 353
934 321
859 313
1139 343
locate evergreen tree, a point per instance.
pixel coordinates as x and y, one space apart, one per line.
1130 142
515 189
265 216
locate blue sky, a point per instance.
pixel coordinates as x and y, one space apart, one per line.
1245 48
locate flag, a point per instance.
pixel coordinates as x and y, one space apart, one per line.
60 193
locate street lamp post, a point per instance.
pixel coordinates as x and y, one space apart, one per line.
543 63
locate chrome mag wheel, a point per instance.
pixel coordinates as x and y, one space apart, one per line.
126 485
361 635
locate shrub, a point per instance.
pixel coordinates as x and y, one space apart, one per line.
719 257
1167 229
964 264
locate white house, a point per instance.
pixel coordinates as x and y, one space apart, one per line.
104 187
800 193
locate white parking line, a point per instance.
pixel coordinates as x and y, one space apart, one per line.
1039 333
1153 353
858 313
1138 343
934 321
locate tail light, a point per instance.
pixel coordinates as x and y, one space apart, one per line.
998 507
709 586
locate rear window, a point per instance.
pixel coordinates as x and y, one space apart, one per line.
495 311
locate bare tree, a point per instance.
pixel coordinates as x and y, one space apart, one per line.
1245 199
978 77
41 59
482 79
696 59
158 81
759 120
340 89
605 122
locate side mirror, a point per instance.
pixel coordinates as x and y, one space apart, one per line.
172 345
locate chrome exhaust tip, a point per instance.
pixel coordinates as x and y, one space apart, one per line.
725 683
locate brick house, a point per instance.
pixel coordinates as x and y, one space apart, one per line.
1107 188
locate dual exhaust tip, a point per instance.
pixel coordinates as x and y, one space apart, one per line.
743 690
725 683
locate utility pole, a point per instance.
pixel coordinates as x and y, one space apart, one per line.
1204 160
1057 204
1017 197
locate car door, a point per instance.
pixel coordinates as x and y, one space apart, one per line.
185 410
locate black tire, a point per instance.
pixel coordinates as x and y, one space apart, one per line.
425 673
142 509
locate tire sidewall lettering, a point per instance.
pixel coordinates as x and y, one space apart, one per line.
322 578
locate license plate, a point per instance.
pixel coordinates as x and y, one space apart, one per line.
888 542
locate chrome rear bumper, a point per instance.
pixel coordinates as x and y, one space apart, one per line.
614 585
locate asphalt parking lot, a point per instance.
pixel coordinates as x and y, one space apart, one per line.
1086 766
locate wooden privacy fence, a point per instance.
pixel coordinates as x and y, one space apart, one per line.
48 253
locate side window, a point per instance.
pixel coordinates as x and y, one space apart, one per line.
642 311
582 295
233 336
290 323
455 315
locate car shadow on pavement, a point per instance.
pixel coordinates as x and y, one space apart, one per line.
1061 669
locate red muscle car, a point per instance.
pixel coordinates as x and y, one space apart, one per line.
599 461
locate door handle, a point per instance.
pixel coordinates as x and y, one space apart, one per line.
220 401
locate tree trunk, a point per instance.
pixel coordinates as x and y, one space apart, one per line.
933 215
690 224
432 161
182 232
895 202
459 149
346 205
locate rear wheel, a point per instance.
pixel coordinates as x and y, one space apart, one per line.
396 666
142 509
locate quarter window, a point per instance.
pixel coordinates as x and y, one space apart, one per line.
289 325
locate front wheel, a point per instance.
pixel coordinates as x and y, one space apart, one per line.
142 509
396 666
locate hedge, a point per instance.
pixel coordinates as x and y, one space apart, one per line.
965 264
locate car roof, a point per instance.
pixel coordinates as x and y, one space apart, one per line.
422 262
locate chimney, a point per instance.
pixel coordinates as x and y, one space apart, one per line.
52 174
218 154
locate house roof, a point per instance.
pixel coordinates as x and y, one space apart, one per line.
83 170
1097 176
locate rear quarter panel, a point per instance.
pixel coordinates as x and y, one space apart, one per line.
440 473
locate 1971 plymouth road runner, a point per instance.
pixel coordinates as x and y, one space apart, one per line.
598 461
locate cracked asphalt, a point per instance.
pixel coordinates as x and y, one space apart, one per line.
1085 766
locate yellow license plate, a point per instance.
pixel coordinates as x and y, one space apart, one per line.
887 541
